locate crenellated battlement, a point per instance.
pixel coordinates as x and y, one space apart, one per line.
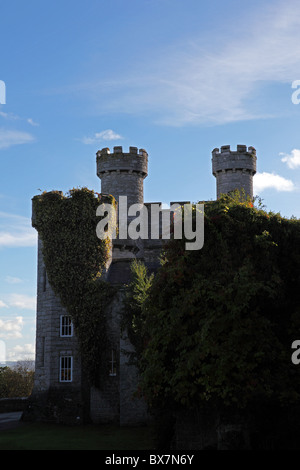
225 149
119 150
240 159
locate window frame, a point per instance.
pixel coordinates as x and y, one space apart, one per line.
64 369
63 326
113 363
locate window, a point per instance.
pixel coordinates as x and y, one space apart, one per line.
113 364
66 369
66 325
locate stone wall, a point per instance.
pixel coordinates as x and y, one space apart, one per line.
133 409
105 400
115 400
230 180
49 344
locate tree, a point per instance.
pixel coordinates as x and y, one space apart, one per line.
17 381
217 324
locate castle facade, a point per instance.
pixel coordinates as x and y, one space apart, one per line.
60 393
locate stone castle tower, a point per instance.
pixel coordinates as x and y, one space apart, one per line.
234 169
59 391
122 174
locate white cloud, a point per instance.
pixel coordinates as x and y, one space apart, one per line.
293 159
106 135
16 230
21 301
262 181
3 304
9 138
11 329
21 352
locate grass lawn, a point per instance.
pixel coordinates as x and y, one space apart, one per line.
33 436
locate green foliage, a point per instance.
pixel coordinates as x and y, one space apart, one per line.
16 382
74 258
133 319
218 323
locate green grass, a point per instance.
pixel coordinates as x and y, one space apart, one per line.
33 436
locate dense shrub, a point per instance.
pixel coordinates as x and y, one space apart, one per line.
217 324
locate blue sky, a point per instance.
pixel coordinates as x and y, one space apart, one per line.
175 77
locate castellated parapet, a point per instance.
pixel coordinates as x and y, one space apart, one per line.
123 174
234 169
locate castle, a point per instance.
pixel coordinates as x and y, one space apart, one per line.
60 393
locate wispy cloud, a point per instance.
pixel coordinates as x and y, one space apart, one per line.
292 160
16 231
9 116
8 138
3 304
22 301
262 181
13 280
196 82
102 136
32 122
21 352
14 117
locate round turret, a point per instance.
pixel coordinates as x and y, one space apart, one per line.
122 174
234 169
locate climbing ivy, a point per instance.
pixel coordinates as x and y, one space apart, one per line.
74 258
133 321
218 323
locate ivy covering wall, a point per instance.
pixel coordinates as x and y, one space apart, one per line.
74 258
